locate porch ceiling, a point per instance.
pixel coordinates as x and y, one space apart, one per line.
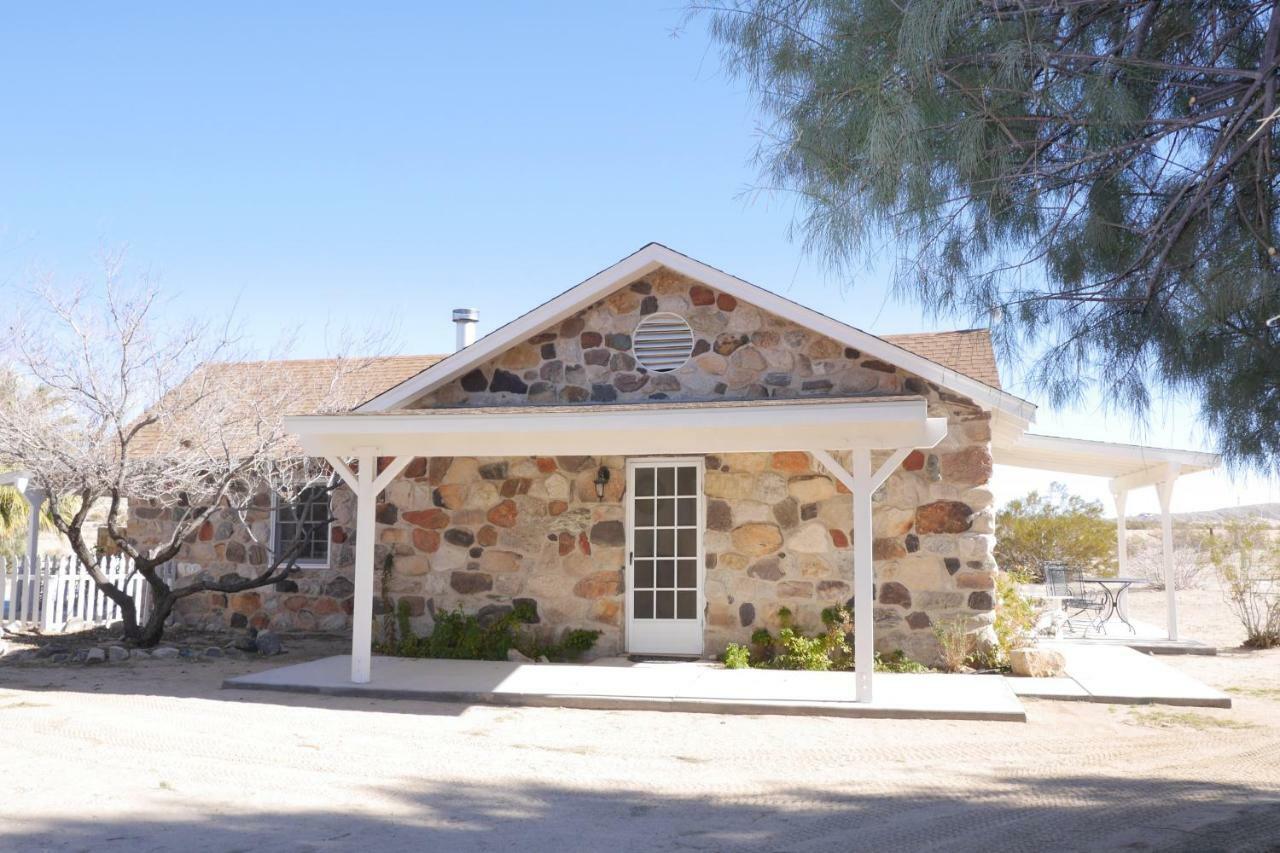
650 428
1128 466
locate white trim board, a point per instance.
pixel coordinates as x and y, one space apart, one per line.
645 261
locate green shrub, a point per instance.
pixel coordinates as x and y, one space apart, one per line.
736 657
1057 526
792 649
897 661
458 635
1014 624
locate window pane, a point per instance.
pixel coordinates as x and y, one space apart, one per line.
644 543
666 511
644 574
665 604
666 574
687 511
666 481
644 481
687 604
644 513
687 574
688 480
666 543
687 542
643 605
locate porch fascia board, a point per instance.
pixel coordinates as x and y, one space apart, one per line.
613 430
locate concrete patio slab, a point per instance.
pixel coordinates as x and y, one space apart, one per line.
691 687
1114 673
1047 688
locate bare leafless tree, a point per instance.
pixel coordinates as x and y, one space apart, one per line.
115 403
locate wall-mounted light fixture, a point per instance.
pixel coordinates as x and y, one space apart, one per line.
601 480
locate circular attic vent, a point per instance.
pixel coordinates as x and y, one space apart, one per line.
662 342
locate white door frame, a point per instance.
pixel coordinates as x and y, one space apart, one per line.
699 462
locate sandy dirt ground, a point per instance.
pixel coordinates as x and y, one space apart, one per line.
152 755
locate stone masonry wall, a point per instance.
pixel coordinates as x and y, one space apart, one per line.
481 533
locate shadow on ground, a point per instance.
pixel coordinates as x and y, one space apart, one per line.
1024 813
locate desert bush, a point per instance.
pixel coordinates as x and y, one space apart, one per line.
1055 527
1247 559
955 643
792 649
897 661
1014 624
1190 562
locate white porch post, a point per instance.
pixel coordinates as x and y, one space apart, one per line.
1164 491
862 483
1122 544
864 629
367 483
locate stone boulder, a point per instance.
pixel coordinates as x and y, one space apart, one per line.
1035 662
268 643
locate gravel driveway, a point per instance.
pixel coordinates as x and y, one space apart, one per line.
152 755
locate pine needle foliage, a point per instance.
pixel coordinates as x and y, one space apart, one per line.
1099 174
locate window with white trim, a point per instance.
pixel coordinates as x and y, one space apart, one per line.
305 521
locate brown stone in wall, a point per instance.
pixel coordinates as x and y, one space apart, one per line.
469 583
433 518
970 466
426 540
725 302
887 549
757 539
894 593
700 295
914 461
918 621
944 517
599 585
790 462
504 514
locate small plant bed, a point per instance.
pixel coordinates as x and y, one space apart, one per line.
826 651
458 635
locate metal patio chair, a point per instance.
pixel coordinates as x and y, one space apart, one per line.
1066 585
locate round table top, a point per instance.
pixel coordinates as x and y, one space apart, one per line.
1114 580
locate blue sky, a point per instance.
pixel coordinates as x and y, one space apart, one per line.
321 165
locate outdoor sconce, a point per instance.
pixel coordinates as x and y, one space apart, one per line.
601 480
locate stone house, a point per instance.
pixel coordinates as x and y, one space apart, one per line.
664 453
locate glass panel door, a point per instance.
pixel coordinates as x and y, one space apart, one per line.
666 557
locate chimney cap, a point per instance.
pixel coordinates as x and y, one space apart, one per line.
466 315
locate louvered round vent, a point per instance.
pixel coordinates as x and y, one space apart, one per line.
662 342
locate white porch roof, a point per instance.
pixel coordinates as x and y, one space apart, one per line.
1128 466
631 429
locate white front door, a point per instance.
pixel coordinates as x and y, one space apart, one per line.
664 565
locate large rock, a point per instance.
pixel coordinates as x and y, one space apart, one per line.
1035 662
757 539
943 517
268 643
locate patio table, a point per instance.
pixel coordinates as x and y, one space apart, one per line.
1113 588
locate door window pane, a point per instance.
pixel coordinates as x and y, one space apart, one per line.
666 481
665 604
687 511
644 574
688 477
666 543
666 574
644 604
687 604
687 542
644 481
644 512
687 574
644 543
666 512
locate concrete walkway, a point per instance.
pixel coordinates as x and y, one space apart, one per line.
695 687
1114 673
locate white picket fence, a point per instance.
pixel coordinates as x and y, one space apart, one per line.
58 593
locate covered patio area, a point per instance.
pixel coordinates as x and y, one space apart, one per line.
1126 467
872 435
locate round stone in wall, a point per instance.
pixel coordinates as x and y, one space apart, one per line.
662 342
